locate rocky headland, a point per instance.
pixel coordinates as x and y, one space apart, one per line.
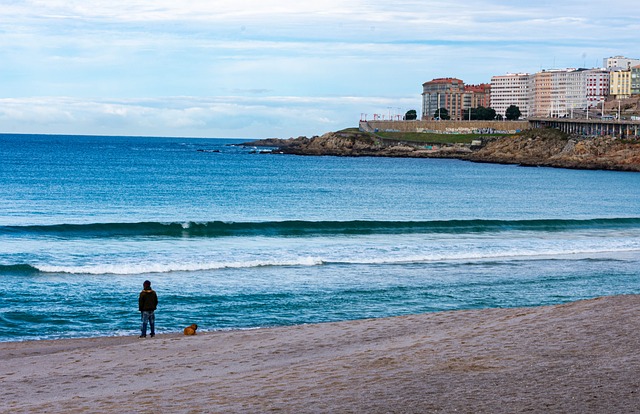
534 147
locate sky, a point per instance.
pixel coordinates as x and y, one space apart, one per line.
275 68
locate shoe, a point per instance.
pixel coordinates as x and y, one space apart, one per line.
152 335
142 336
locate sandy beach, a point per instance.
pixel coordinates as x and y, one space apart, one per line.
580 357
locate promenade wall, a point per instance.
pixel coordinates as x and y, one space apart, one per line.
444 126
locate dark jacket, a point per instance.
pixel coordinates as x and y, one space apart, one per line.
148 300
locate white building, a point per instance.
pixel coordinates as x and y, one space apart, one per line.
620 62
550 93
511 89
586 88
576 90
561 92
597 86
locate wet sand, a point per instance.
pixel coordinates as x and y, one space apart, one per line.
582 357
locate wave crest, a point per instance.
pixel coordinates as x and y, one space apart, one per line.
146 268
309 228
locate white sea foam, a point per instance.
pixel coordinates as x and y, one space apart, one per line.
144 268
522 255
382 256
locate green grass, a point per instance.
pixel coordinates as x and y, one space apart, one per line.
433 138
426 137
352 130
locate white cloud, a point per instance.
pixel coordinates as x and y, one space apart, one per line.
116 60
230 116
170 10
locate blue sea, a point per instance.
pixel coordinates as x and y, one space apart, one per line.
232 238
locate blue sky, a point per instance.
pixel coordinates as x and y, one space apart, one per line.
274 68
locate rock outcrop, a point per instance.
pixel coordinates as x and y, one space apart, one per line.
552 148
362 144
536 147
277 142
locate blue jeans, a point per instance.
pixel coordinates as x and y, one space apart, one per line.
150 318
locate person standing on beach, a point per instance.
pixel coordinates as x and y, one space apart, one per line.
147 303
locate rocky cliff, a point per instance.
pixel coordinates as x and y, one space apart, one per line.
360 144
545 147
537 147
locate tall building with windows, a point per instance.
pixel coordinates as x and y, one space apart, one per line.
548 93
445 93
635 80
453 95
620 84
620 62
478 95
510 89
551 93
576 90
560 92
597 86
541 101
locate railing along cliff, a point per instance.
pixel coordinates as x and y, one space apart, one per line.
589 127
585 127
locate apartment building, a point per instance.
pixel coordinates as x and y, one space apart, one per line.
620 62
453 95
557 93
510 89
586 88
635 80
576 90
445 93
550 93
620 84
597 84
540 95
477 95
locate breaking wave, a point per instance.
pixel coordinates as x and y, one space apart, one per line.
309 228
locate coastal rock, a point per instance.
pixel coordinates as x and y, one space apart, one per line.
552 148
336 143
359 144
277 142
535 147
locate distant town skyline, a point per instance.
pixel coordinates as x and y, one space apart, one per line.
274 68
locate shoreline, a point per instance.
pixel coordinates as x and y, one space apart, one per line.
575 357
531 148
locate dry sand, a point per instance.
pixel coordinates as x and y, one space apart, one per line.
581 357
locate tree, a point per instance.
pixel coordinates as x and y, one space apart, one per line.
411 115
512 113
480 113
466 116
485 114
442 113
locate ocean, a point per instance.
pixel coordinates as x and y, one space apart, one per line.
232 238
